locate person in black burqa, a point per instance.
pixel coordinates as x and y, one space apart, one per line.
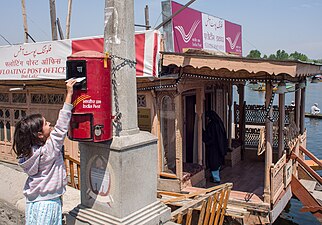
216 142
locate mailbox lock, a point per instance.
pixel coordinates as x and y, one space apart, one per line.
98 130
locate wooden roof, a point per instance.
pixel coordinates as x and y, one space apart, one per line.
236 67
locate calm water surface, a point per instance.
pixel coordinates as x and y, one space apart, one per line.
292 215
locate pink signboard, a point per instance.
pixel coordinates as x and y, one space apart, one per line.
233 38
187 28
193 29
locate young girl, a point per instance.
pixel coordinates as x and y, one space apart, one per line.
39 149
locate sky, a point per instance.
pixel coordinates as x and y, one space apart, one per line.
267 25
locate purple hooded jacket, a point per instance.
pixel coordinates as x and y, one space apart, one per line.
45 168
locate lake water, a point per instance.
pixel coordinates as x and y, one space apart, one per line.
291 214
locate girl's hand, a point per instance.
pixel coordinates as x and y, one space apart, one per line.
69 86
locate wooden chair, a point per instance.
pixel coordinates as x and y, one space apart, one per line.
210 207
70 164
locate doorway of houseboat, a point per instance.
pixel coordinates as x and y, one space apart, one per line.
194 156
189 155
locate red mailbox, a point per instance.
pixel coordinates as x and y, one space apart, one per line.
92 114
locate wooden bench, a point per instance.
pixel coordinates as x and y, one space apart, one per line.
209 205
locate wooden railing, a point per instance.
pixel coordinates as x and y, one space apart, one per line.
311 156
277 178
72 167
316 176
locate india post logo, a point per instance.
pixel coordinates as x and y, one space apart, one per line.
80 99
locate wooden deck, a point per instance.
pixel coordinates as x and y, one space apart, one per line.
247 178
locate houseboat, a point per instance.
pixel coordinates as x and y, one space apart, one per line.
265 141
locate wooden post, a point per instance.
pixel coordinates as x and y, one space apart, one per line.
60 31
241 92
200 96
230 114
302 110
281 124
269 143
297 106
24 16
52 6
147 18
178 133
297 115
69 13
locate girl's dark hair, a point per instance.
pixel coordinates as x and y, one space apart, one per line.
26 135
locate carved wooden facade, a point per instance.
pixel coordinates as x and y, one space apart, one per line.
15 105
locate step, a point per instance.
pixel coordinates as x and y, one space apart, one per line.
308 184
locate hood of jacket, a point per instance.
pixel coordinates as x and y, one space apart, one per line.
31 165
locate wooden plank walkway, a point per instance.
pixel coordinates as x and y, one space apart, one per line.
246 176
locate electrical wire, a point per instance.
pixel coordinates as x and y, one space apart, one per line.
5 39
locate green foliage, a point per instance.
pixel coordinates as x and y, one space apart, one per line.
299 56
272 56
254 54
282 55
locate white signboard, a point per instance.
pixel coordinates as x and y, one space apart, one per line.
213 29
45 60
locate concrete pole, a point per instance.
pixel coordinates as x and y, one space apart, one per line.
119 41
119 177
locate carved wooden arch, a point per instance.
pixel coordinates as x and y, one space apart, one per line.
161 95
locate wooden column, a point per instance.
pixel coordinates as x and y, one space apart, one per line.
24 16
178 134
297 106
241 92
297 114
69 14
302 110
281 124
157 130
52 6
269 144
200 96
230 114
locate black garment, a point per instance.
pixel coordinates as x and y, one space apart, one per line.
216 142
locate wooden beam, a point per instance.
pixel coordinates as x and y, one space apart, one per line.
313 165
69 14
311 156
200 96
302 111
281 124
24 16
179 135
230 114
308 169
269 142
52 6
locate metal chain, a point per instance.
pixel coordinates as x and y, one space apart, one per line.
125 62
